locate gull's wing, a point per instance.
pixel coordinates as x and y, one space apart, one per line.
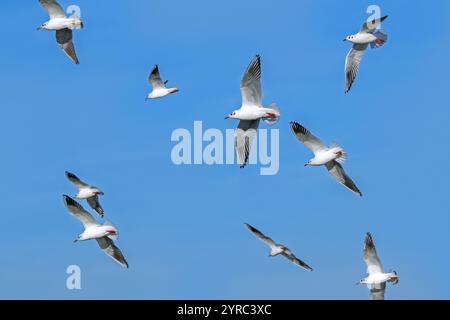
370 256
352 62
155 78
289 255
369 26
377 291
75 180
260 235
307 138
108 246
78 212
94 203
64 39
251 84
53 8
336 170
243 139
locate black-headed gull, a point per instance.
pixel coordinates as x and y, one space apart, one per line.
63 26
367 35
88 192
376 281
104 234
331 157
251 111
276 249
159 89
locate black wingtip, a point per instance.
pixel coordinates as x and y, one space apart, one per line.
68 200
250 227
297 127
70 174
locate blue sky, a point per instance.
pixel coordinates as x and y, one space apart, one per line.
182 226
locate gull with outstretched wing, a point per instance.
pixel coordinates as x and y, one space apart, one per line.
103 233
331 157
278 249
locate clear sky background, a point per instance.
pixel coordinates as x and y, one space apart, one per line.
182 227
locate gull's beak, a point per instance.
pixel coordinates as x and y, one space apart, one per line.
227 117
76 240
39 28
305 165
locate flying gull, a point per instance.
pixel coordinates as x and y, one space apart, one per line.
276 249
63 26
367 35
376 281
251 111
159 89
331 157
104 234
88 192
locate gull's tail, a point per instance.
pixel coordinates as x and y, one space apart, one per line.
272 117
341 155
381 36
112 236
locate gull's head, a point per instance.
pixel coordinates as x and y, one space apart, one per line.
232 115
42 26
308 163
349 38
393 277
362 281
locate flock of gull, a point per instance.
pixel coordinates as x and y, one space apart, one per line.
249 115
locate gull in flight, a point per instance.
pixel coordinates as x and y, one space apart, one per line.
367 35
331 157
63 26
251 111
276 249
85 191
376 281
159 89
104 234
